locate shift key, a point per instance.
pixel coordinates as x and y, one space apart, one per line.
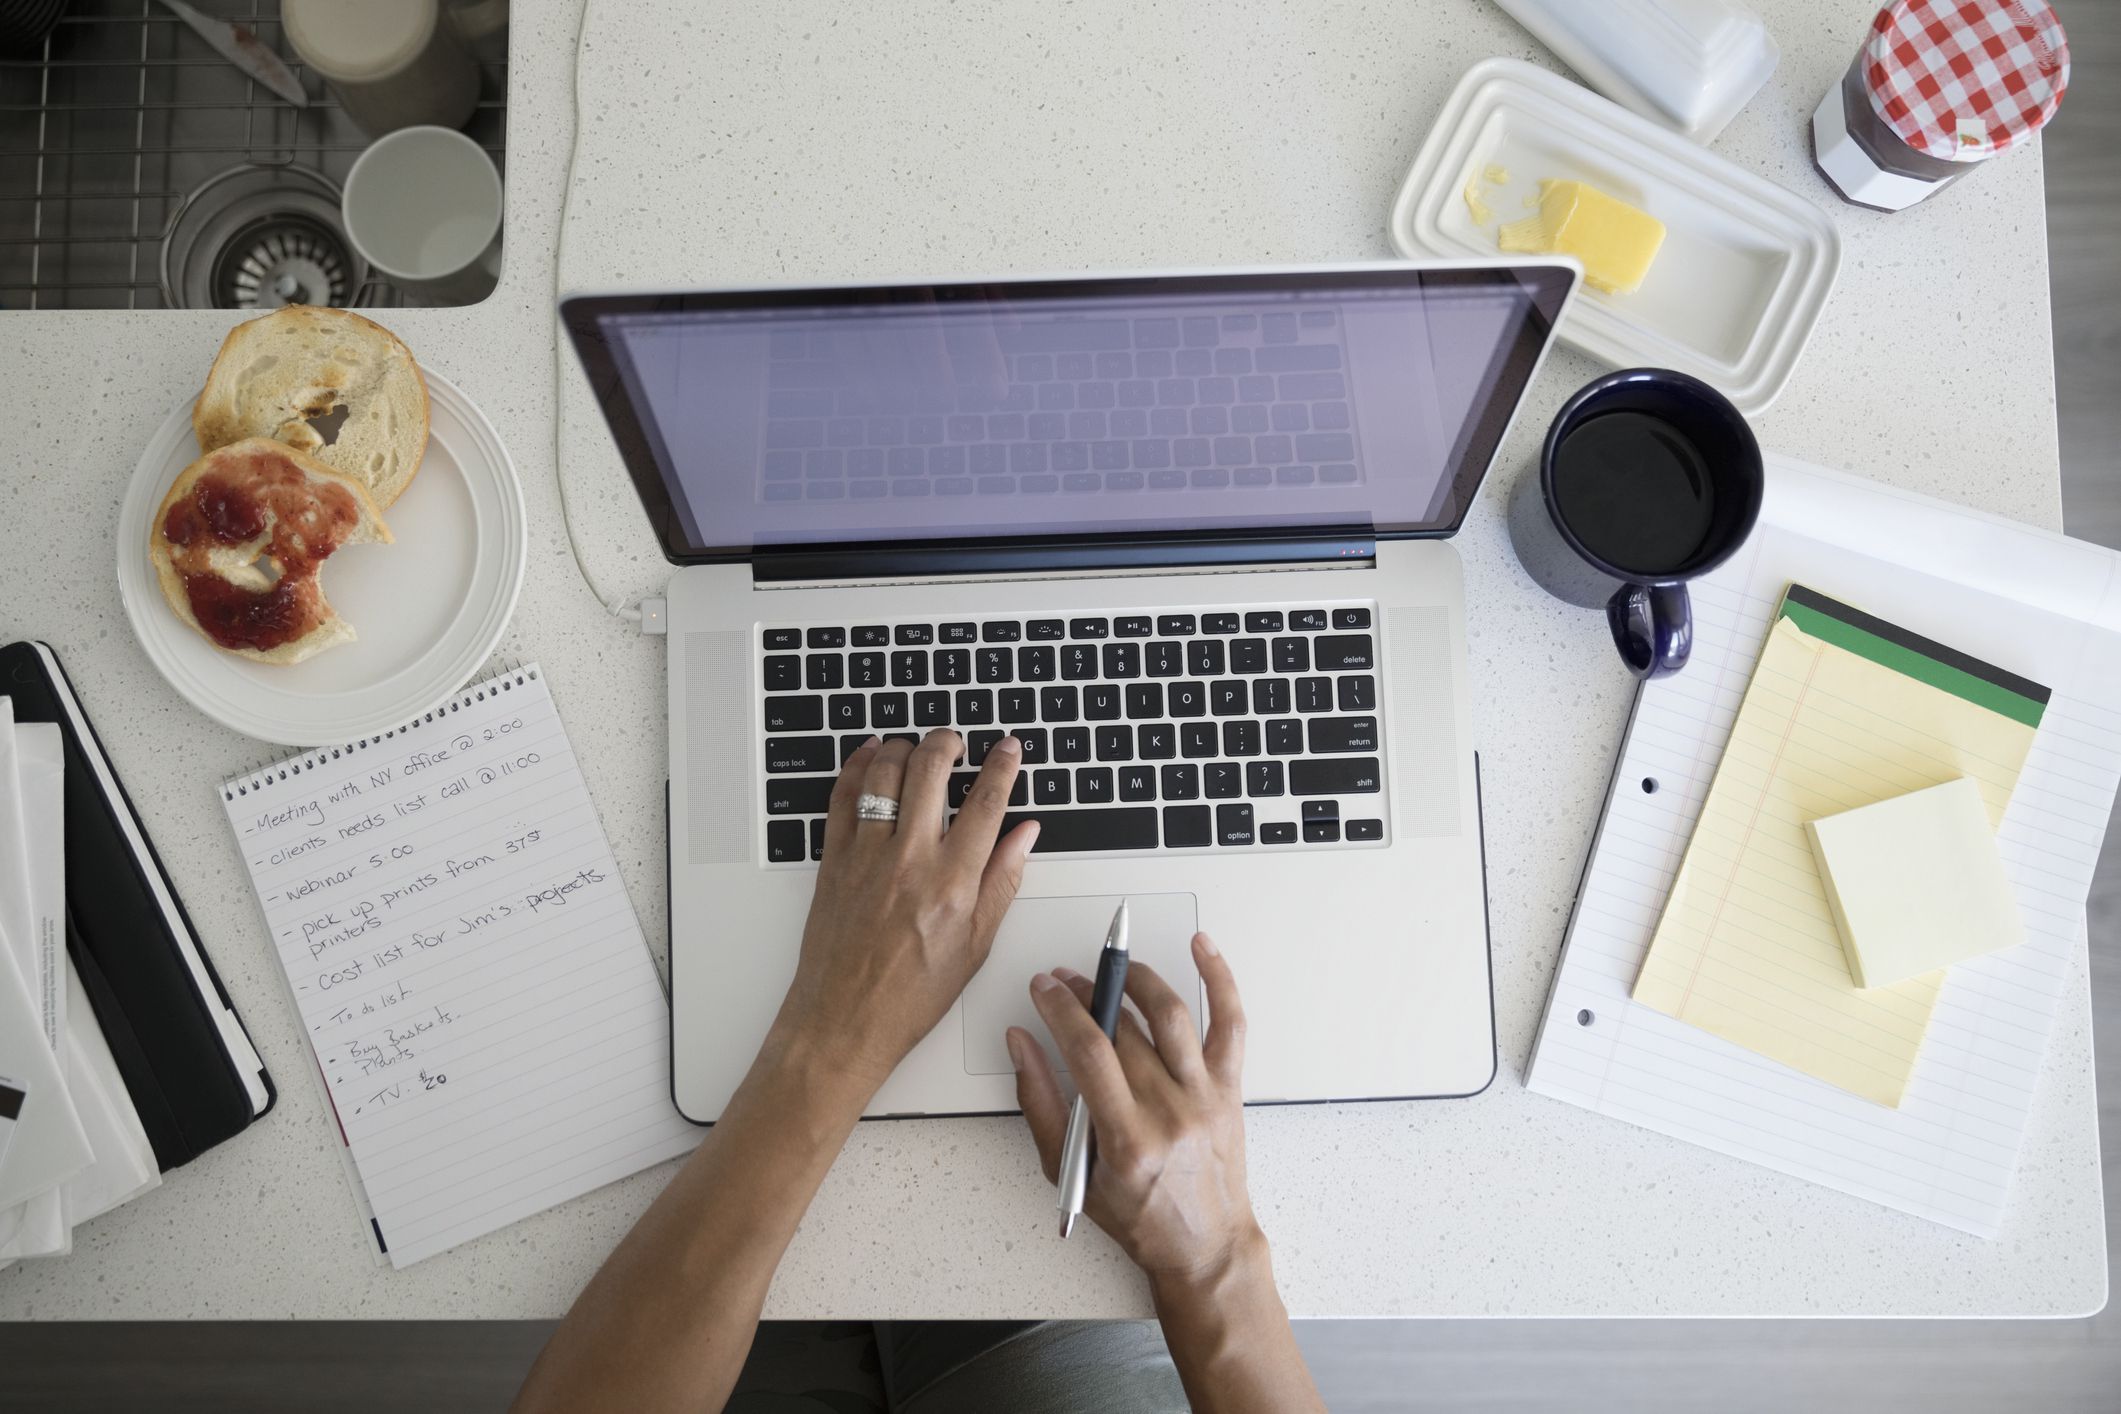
798 795
1336 775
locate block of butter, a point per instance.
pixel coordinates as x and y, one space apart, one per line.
1615 242
1915 883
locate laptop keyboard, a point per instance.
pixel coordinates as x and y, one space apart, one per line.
1070 406
1221 731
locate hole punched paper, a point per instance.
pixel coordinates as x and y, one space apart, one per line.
1844 710
2026 600
486 1020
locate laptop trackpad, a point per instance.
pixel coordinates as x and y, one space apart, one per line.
1043 933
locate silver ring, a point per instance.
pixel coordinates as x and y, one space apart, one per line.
876 807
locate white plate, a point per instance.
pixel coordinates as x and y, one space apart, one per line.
428 609
1746 265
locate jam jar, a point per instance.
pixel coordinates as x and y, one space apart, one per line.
1939 87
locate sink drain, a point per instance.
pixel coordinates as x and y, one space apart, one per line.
281 260
258 237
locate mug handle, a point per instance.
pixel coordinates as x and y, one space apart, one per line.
1653 627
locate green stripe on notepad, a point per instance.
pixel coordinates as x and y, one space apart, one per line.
1889 645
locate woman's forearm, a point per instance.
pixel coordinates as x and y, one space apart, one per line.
668 1320
899 921
1230 1338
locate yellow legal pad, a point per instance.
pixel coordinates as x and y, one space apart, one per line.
1843 710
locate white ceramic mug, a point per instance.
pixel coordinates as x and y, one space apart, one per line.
423 208
390 63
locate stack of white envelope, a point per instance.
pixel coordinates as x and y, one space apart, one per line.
76 1148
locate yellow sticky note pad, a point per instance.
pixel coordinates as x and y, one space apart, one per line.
1844 711
1615 242
1915 883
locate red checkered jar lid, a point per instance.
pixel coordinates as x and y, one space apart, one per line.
1963 80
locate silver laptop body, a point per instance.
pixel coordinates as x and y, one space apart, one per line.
1186 536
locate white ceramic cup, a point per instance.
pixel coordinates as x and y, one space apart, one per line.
423 207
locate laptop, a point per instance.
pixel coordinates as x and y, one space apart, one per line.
1187 536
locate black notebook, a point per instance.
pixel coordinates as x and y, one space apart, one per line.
187 1062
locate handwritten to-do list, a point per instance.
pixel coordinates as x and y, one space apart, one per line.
467 965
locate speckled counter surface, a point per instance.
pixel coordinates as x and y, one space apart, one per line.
793 141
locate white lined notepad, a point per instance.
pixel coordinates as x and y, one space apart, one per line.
484 1014
2022 598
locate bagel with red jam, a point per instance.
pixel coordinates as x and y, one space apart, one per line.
239 541
278 374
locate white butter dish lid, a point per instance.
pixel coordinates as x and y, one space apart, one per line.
1746 265
1688 64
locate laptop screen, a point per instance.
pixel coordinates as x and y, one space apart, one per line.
1364 402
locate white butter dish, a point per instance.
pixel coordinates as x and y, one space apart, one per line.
1746 265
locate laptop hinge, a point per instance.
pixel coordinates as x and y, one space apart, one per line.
790 569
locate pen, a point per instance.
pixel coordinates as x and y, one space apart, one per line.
1104 1010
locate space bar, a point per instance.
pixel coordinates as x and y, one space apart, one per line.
1062 831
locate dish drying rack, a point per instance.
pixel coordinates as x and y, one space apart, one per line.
141 170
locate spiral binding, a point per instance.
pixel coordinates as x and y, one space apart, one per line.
261 773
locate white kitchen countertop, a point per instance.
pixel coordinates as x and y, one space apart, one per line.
786 141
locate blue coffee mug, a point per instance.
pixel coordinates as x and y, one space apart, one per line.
1648 478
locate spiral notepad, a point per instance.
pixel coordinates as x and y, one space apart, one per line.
487 1023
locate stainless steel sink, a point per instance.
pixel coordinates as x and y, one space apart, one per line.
140 170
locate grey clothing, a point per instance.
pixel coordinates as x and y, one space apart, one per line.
958 1367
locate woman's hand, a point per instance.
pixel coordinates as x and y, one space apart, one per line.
1169 1181
904 913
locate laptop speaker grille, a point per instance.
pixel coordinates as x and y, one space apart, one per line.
718 751
1425 748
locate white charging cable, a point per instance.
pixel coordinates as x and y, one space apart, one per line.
649 613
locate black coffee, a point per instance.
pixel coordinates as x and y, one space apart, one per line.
1635 491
